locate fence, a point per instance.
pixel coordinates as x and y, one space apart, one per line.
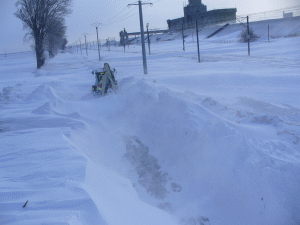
274 14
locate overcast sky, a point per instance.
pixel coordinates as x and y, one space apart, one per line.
115 15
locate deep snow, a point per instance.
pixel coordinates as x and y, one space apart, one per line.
215 142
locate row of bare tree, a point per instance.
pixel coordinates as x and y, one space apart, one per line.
45 20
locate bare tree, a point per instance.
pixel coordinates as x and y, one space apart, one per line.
63 43
41 17
55 36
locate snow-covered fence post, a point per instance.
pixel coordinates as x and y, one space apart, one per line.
80 46
248 35
86 45
182 22
148 37
268 32
197 41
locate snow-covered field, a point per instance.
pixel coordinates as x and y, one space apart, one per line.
215 142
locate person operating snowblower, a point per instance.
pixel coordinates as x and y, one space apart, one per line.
105 79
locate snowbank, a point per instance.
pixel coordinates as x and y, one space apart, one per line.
211 143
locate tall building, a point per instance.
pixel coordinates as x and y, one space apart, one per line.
195 10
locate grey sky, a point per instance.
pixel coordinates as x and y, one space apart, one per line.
114 15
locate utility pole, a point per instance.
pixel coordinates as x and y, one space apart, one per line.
148 37
108 44
123 38
142 34
197 41
84 34
80 46
248 36
182 22
97 25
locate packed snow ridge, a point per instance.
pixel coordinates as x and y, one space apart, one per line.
215 142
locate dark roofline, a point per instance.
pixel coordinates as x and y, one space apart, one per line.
224 10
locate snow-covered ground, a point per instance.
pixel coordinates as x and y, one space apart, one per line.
215 142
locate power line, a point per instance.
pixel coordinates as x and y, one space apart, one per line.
156 1
274 14
116 15
107 22
122 18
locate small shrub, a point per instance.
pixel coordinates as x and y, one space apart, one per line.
244 34
292 35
